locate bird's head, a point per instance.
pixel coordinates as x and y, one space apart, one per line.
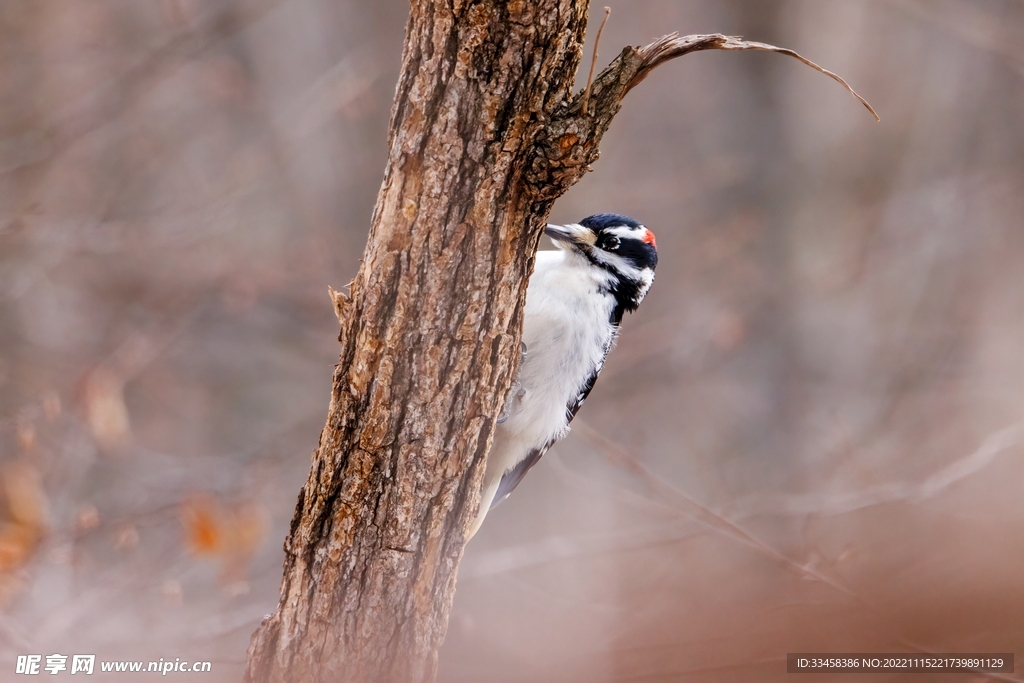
618 245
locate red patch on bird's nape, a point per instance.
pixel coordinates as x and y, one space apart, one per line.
649 238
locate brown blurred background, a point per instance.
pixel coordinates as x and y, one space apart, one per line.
810 437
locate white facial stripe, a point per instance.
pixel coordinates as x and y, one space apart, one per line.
625 231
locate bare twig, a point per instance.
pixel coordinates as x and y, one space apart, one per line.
672 46
843 503
593 59
698 512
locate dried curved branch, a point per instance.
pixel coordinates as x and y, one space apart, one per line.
672 46
567 144
634 64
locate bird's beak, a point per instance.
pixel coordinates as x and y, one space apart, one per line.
570 234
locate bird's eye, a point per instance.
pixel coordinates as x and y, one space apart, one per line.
612 243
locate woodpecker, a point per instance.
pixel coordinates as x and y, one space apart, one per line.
577 295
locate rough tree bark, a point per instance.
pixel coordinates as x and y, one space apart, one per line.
485 134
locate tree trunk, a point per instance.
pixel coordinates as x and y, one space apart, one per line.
485 134
429 340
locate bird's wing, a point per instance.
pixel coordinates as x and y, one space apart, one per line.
511 479
574 404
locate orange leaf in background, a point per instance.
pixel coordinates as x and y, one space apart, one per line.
26 500
27 514
204 521
231 534
17 542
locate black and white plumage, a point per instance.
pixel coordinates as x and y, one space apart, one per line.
575 301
